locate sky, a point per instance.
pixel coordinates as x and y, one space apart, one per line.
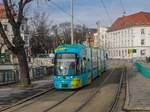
88 12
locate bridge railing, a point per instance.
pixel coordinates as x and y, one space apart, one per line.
8 76
143 70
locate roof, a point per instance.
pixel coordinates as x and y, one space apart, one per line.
92 30
2 11
74 48
137 19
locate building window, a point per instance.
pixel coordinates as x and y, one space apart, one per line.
119 53
126 53
5 27
142 52
134 50
123 53
142 32
22 28
131 31
142 42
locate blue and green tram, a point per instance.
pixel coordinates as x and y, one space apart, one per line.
77 65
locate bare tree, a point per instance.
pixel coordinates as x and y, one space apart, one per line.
79 32
40 28
65 29
1 45
15 17
54 30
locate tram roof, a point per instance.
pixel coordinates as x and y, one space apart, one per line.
70 48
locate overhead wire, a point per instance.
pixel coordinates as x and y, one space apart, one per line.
62 10
100 20
122 5
106 11
65 12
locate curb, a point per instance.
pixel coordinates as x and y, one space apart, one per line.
127 93
127 100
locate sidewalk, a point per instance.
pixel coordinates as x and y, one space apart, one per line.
12 94
137 91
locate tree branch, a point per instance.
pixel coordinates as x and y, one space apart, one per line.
9 14
26 1
5 39
20 13
21 4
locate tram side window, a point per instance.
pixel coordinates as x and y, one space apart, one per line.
89 65
84 65
78 66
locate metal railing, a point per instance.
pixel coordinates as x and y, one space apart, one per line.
8 76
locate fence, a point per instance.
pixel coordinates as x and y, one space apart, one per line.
8 76
40 67
144 71
39 72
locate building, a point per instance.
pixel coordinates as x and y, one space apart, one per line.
100 38
129 37
90 37
8 29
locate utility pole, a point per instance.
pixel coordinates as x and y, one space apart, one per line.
72 26
98 31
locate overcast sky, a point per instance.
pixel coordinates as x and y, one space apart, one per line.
90 11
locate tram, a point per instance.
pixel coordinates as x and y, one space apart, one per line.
77 65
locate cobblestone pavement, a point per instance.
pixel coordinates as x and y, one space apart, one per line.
12 94
138 91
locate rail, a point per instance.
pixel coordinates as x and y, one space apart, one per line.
27 99
114 104
94 93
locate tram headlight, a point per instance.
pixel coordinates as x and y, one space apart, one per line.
61 67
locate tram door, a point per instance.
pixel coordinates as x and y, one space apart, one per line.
84 68
89 62
99 61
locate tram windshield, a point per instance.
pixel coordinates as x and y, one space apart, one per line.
65 64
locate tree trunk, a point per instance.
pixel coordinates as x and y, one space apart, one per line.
24 69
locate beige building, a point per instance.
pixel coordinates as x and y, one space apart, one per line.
100 38
129 37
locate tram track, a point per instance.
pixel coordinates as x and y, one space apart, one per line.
114 107
94 93
25 103
27 99
75 97
46 110
113 104
30 104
